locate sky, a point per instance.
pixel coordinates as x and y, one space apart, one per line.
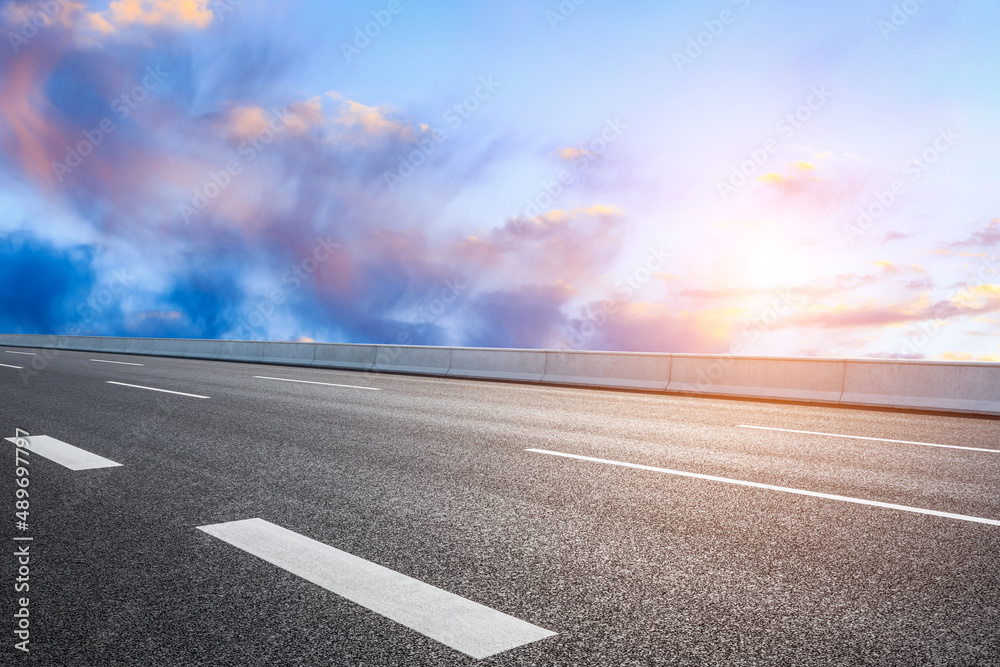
731 177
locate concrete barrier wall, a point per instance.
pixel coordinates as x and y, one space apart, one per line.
168 347
235 350
348 357
84 343
203 349
292 354
67 342
93 344
413 359
48 341
498 364
608 369
951 386
926 385
139 346
813 380
113 344
70 342
27 340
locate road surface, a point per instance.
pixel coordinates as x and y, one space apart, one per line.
269 515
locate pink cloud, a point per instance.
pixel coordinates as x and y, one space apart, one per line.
889 237
32 130
987 237
977 301
573 246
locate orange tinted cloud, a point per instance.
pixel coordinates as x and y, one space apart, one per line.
974 301
559 216
372 121
776 177
966 356
772 177
242 123
174 13
981 297
570 154
245 122
357 122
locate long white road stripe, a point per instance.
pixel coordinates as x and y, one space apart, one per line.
65 454
328 384
772 487
165 391
862 437
9 366
120 363
30 354
462 624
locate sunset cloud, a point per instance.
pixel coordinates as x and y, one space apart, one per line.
968 356
122 14
245 122
888 237
570 154
303 116
988 237
358 119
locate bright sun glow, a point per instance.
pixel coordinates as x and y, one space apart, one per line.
766 264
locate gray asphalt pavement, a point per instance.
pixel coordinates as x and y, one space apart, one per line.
431 478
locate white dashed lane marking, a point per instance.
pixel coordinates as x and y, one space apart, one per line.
464 625
65 454
165 391
772 487
327 384
862 437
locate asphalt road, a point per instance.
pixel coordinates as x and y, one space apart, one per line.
432 479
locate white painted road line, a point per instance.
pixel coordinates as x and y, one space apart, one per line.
165 391
328 384
9 366
30 354
772 487
464 625
120 363
861 437
65 454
